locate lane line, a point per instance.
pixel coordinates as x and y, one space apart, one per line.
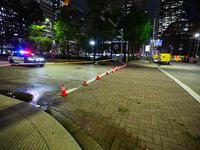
185 87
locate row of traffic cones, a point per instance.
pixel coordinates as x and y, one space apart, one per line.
63 92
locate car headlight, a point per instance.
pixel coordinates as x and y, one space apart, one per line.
39 59
31 59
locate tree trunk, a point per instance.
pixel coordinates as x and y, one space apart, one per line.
77 49
68 50
128 51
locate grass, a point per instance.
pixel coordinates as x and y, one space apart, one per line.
194 140
123 110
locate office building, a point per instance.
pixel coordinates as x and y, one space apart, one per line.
125 4
11 31
173 11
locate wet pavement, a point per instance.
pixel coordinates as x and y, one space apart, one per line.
45 83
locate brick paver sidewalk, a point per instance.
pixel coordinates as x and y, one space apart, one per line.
135 108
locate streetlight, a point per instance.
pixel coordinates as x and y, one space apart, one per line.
47 20
197 37
92 43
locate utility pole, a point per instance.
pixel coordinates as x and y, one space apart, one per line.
107 16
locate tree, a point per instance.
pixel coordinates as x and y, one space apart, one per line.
37 34
136 26
63 30
96 27
79 34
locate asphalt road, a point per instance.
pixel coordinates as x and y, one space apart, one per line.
187 73
45 83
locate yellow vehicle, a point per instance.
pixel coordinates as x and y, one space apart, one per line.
154 56
164 58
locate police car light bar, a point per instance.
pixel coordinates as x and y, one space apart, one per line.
24 52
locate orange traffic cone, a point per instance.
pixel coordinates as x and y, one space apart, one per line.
63 93
106 71
116 68
84 81
111 70
119 67
97 75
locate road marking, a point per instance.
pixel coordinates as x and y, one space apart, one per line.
89 81
185 87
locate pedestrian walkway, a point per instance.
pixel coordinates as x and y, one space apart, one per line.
137 107
23 126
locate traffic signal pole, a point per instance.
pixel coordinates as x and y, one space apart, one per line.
122 34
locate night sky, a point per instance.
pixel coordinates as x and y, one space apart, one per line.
80 3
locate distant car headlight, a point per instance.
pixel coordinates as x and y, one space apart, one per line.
39 59
31 59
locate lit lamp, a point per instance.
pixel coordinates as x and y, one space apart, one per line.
197 37
92 43
47 20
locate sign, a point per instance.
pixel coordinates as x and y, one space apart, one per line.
147 48
157 43
116 47
180 47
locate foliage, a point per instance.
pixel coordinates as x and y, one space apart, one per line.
63 30
136 27
97 29
37 34
194 61
79 26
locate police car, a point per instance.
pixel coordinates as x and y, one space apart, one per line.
25 58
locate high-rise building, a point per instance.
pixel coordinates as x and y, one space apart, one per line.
125 4
11 30
57 4
46 6
172 11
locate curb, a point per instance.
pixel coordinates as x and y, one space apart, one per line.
84 140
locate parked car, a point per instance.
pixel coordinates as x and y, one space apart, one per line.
186 59
25 58
172 59
155 60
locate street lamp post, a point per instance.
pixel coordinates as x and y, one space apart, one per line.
197 37
92 43
51 36
106 15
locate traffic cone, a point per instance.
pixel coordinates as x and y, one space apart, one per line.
116 69
97 76
84 81
106 71
63 93
119 67
111 70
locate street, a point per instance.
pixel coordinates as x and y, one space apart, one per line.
187 73
45 83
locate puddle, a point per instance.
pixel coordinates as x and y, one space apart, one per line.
21 95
